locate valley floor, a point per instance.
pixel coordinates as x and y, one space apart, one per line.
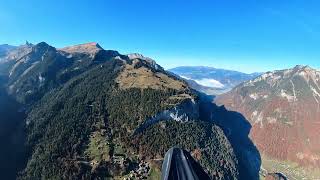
290 169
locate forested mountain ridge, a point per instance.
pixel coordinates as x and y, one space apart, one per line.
84 105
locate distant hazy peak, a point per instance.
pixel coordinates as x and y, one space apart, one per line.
5 48
221 80
194 67
209 68
90 48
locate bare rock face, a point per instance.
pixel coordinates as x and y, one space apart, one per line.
150 61
186 111
283 108
91 47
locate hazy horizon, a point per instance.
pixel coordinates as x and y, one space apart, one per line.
232 68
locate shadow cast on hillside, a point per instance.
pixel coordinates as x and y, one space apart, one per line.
237 128
11 135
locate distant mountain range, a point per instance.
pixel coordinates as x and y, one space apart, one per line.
283 108
211 80
5 48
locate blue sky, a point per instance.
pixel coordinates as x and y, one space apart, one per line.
244 35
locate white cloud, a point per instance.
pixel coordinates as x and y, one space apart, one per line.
206 82
184 77
209 83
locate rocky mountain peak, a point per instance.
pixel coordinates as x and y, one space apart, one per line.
301 67
92 44
138 56
89 48
149 61
28 43
275 78
42 47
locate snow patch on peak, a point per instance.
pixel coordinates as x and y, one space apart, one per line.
257 118
315 94
254 114
289 97
315 91
294 91
254 96
41 79
249 83
139 56
271 120
287 73
303 73
266 75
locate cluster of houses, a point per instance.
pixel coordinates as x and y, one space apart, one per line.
142 172
119 159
